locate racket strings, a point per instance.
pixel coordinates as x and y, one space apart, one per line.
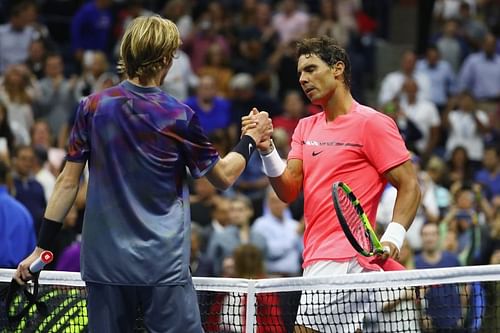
353 220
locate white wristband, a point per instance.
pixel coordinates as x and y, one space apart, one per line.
395 234
273 164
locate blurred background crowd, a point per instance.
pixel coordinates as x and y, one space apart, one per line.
433 66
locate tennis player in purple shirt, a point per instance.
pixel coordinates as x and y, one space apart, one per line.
138 141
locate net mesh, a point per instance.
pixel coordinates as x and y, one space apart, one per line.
464 299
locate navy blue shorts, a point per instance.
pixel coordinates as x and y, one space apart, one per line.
166 309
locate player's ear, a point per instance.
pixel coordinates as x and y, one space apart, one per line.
167 62
338 68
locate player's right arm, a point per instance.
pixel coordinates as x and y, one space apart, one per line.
227 170
285 178
289 184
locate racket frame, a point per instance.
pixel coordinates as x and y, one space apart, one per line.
376 247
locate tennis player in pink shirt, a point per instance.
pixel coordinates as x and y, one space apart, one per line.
346 142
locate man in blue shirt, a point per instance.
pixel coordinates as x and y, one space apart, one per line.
213 111
489 175
440 73
480 74
17 234
91 28
443 301
28 190
138 141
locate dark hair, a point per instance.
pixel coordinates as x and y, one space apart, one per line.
4 171
328 50
248 262
20 7
493 146
5 130
433 47
20 148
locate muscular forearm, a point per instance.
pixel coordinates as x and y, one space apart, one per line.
286 189
62 199
227 170
285 178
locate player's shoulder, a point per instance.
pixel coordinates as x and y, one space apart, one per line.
93 100
368 113
371 119
312 119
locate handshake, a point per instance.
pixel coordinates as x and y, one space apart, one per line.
259 126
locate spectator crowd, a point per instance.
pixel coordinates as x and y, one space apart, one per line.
236 55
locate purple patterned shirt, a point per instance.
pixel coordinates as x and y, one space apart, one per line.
138 142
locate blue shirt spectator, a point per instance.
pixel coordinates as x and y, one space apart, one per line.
28 190
284 243
224 243
15 38
17 233
480 72
489 175
214 112
441 75
91 27
443 301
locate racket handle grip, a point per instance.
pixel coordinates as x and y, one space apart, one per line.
45 258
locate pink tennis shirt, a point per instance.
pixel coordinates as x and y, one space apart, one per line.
356 148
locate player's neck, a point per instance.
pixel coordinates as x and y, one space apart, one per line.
154 81
339 104
143 83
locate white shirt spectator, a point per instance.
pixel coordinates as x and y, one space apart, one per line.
450 9
283 243
180 77
20 118
464 132
290 27
424 115
14 45
413 234
392 83
47 180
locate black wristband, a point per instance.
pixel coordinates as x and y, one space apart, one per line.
48 232
245 147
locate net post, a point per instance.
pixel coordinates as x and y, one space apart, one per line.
250 307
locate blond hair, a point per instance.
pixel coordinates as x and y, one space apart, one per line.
148 45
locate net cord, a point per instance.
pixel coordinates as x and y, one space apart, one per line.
339 282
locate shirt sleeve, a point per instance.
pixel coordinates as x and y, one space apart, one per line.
297 142
383 144
434 115
199 153
465 77
79 146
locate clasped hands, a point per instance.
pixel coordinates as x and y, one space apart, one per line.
259 126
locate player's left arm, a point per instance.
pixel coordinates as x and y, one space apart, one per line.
65 191
60 202
404 178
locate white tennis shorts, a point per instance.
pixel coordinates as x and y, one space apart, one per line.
330 311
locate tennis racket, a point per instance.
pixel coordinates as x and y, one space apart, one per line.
13 294
354 222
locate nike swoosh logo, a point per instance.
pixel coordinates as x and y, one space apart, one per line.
315 153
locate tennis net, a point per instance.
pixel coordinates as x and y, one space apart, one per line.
462 299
